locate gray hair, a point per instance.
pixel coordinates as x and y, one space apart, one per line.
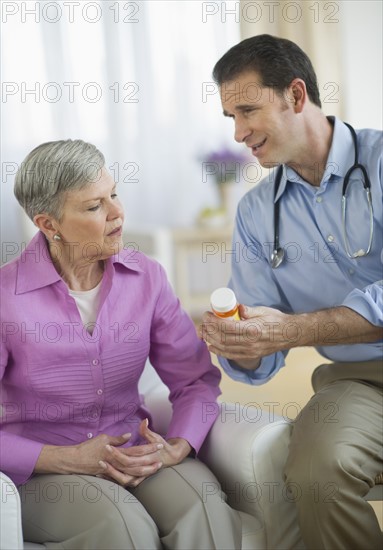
51 170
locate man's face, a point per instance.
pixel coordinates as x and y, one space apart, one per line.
264 120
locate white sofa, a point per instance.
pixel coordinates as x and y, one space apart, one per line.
245 451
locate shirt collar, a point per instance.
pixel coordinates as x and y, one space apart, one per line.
36 269
339 160
342 151
129 258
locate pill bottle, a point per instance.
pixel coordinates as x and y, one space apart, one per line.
224 304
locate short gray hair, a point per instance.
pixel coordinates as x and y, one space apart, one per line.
51 170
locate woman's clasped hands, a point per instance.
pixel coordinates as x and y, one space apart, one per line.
129 466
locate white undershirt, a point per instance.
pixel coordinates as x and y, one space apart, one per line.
87 302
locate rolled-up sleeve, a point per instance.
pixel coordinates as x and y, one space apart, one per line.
368 302
267 369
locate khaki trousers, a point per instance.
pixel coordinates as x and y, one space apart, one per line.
167 510
335 455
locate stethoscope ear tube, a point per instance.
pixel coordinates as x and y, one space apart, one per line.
365 181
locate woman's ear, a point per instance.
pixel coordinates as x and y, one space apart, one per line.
47 225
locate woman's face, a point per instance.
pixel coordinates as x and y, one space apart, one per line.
91 224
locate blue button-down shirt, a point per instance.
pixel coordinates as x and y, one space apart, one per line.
317 272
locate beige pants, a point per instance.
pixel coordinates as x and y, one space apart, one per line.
335 455
168 510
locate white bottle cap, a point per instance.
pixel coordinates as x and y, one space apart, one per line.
223 300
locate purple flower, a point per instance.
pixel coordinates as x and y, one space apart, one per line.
226 156
223 166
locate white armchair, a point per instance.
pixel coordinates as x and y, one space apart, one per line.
245 450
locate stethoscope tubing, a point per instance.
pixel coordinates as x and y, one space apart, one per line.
277 255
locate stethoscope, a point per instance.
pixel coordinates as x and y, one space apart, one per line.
278 252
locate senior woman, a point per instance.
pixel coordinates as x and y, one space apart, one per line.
80 317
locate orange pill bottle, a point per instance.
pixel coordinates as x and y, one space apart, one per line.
224 304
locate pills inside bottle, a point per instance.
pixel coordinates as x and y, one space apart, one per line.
224 304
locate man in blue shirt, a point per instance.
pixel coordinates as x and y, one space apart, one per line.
326 290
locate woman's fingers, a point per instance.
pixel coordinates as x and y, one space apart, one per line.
128 479
141 450
131 463
150 436
118 440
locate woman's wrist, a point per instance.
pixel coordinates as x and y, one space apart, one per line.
181 447
57 460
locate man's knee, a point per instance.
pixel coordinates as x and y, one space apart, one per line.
324 472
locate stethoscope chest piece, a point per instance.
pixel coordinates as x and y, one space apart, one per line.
277 256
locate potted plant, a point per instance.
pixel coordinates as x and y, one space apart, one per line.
224 167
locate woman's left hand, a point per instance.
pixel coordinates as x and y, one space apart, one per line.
174 450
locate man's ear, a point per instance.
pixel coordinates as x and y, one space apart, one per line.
298 94
46 224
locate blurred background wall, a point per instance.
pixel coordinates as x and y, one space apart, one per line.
135 79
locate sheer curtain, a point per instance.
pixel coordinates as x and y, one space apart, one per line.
344 42
132 77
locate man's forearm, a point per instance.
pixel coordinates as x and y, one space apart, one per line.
334 326
264 331
275 331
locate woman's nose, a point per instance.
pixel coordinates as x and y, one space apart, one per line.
116 210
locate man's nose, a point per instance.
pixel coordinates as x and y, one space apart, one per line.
242 131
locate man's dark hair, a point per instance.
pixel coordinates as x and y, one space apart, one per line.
276 60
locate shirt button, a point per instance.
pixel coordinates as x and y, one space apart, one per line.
95 362
319 199
89 435
99 392
330 239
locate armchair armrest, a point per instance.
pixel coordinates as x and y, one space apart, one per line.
247 451
160 408
11 537
155 395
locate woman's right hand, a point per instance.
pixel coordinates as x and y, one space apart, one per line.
90 456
